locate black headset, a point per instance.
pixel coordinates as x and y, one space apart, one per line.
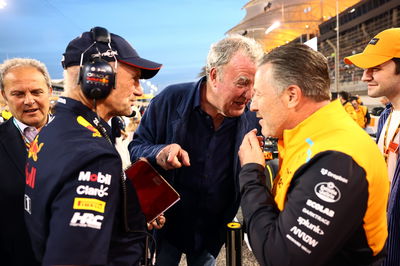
97 77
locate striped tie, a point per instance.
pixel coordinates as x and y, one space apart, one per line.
30 133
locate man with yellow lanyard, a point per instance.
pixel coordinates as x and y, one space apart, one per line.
328 201
381 63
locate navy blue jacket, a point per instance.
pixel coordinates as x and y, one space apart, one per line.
15 245
393 241
166 121
73 191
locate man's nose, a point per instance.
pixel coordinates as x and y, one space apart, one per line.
29 99
138 90
367 75
253 105
248 92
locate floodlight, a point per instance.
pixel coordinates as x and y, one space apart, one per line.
274 26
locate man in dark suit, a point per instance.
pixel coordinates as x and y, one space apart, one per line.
25 86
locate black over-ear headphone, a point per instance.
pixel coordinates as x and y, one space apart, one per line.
97 77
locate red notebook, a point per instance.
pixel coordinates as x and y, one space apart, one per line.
155 194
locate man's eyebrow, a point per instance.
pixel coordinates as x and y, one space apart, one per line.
16 90
242 78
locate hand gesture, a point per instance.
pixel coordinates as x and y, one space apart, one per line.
172 156
250 150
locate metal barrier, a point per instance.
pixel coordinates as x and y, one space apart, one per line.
234 243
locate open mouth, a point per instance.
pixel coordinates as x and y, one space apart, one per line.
29 111
240 103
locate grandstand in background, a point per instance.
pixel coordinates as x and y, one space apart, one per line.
357 26
300 21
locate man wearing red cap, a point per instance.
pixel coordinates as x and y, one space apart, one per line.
381 62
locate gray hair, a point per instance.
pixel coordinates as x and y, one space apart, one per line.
222 51
71 79
23 62
298 64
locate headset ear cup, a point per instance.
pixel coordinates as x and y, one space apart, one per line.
97 79
96 93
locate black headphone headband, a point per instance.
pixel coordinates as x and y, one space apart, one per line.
97 77
100 34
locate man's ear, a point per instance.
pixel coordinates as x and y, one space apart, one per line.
213 76
293 96
3 93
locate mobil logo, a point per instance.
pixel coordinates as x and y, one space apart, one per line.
93 177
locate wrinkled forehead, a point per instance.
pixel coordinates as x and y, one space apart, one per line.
24 81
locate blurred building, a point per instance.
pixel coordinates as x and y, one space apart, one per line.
274 23
58 89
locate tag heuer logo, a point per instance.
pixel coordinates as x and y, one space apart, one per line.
373 41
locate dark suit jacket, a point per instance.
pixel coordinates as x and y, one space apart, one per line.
15 245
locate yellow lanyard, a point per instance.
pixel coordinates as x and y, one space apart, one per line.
391 146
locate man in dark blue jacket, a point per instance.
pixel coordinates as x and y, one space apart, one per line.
26 87
79 208
191 132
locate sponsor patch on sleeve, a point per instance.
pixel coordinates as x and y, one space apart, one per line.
89 204
86 220
86 176
327 191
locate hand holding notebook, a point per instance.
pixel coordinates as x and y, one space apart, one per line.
155 194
